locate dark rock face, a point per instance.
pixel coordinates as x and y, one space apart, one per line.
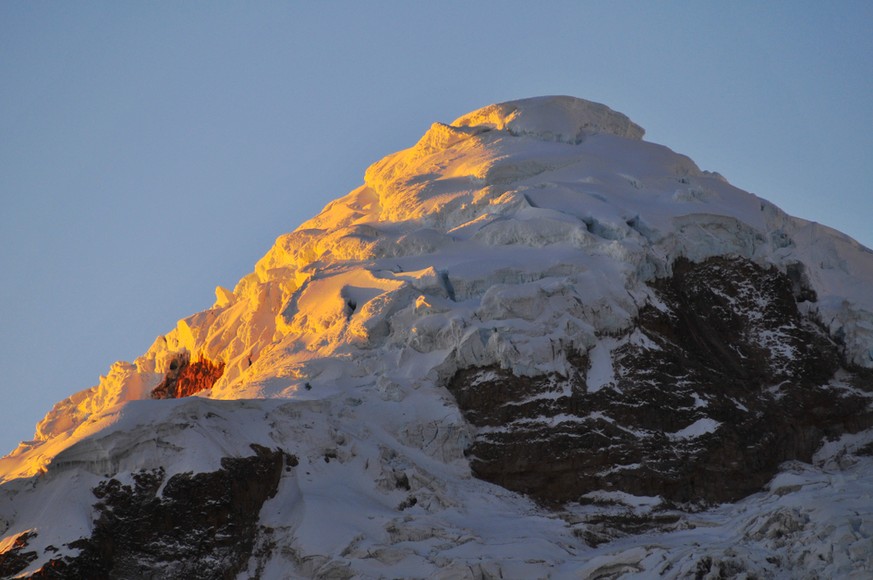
185 378
718 384
200 526
16 558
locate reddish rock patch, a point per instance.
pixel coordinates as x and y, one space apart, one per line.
185 378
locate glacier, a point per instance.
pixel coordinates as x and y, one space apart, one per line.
512 238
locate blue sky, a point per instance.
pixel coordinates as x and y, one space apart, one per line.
151 151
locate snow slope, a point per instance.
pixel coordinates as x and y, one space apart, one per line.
512 236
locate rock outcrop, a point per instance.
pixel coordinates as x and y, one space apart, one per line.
16 557
719 382
184 378
201 525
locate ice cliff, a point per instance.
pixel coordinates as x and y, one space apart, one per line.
538 245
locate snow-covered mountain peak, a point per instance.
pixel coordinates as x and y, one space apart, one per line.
470 247
531 294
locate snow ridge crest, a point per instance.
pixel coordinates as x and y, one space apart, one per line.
553 118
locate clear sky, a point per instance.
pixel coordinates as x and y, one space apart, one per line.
150 151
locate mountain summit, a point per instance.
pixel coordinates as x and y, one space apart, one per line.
565 119
530 345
